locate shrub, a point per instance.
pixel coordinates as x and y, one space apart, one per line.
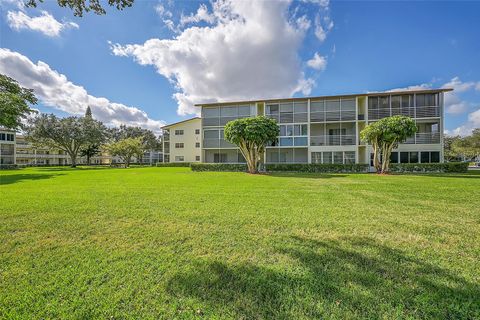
173 164
457 167
8 166
316 167
218 167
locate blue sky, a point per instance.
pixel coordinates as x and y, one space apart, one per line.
148 64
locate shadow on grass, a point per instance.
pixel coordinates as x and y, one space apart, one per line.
305 175
467 175
352 278
14 178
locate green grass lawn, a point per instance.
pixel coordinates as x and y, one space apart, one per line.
153 243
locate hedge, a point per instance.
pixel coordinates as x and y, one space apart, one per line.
8 166
218 167
316 167
173 164
457 167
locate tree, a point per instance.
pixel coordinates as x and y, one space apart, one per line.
97 136
148 138
14 103
88 112
385 135
251 135
68 134
469 146
81 6
90 151
449 152
126 149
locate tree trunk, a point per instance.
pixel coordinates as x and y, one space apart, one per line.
88 160
73 158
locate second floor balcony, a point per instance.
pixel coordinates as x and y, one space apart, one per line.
333 140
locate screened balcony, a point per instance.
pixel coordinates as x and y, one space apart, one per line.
288 112
214 138
287 155
220 116
428 132
333 110
333 134
410 105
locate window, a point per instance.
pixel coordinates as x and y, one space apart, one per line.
407 101
317 106
244 111
349 157
228 111
210 112
179 158
384 102
403 157
435 157
338 157
179 145
219 157
424 157
286 142
394 157
373 102
348 105
332 105
2 136
396 101
413 157
300 130
316 157
179 132
272 109
197 158
327 157
197 144
197 131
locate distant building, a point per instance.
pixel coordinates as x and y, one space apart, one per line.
326 129
15 149
182 141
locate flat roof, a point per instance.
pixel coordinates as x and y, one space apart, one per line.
325 97
174 124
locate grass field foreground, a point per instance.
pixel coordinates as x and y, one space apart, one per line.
152 243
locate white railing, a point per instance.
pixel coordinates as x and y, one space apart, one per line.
333 140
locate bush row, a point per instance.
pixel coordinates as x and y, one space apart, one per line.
218 167
173 164
457 167
298 167
317 167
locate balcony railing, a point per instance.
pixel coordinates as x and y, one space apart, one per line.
419 112
424 138
333 140
427 138
217 143
321 116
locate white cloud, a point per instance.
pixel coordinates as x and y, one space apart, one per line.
323 25
248 50
473 122
45 23
459 86
56 91
202 14
318 62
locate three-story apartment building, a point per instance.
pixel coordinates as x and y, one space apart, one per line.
326 129
182 141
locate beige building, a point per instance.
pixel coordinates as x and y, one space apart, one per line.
182 141
326 129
